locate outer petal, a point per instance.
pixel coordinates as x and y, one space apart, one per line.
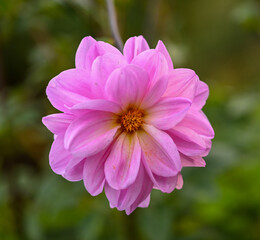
128 199
74 171
59 157
154 63
101 69
164 184
89 50
69 88
159 152
198 122
189 142
196 161
161 48
90 133
182 83
57 123
145 203
201 95
127 86
82 52
179 182
167 112
93 174
134 46
122 165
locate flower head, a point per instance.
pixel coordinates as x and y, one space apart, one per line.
129 122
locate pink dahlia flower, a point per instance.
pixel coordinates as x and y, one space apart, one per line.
129 122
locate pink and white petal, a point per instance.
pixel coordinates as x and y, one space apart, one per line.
134 46
154 94
161 48
58 123
201 95
102 67
97 105
167 112
195 161
159 152
123 162
188 142
90 133
182 83
198 122
69 88
93 174
74 172
154 63
179 182
59 157
82 51
127 86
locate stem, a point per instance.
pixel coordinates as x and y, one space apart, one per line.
113 24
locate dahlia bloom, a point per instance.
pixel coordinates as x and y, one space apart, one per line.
128 123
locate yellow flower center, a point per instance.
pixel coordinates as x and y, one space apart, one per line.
131 120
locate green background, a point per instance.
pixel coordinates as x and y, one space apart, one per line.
219 39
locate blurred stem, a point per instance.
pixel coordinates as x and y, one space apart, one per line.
130 221
2 79
113 24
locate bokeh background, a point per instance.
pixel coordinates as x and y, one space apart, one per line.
220 40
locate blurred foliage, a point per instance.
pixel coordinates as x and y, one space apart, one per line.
220 40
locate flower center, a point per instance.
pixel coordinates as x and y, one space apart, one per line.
131 120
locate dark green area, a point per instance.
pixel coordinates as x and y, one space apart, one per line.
220 40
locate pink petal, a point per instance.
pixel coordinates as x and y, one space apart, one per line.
195 161
154 94
188 142
128 199
90 133
182 83
167 112
82 52
74 172
201 95
161 48
69 88
179 182
127 86
122 165
145 203
134 46
59 157
159 152
154 63
57 123
98 105
90 50
102 67
198 122
165 184
143 198
93 174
